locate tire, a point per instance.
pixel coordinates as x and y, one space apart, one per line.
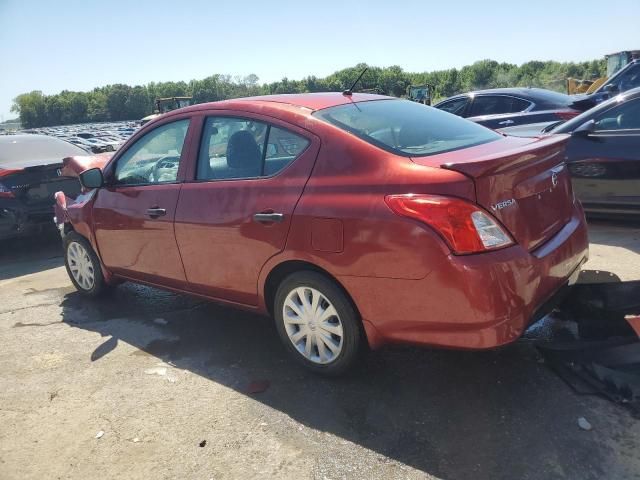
329 346
81 267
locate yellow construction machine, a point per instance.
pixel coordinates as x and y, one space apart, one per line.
615 61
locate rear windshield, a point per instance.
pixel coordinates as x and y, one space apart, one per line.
407 128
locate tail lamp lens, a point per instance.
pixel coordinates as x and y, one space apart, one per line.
568 115
464 226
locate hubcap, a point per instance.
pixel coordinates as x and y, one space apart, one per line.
313 325
80 265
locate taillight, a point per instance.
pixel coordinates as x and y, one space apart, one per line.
464 226
566 115
5 192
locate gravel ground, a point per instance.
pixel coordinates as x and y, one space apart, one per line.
185 389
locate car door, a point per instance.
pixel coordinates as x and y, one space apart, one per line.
236 212
499 111
133 214
605 163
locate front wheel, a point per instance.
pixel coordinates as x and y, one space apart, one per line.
83 265
317 323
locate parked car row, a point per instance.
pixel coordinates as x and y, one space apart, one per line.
92 137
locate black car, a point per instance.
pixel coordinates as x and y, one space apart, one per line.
625 79
506 107
603 154
30 173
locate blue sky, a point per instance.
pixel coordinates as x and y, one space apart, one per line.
51 45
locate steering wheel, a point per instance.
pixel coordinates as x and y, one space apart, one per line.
168 161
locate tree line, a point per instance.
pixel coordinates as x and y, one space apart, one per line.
124 102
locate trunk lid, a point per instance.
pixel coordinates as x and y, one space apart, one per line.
523 182
37 185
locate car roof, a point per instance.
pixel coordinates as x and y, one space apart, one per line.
309 101
538 95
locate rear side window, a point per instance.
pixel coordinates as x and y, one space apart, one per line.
283 148
455 106
497 104
407 128
237 148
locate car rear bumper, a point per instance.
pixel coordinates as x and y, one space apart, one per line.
17 220
475 301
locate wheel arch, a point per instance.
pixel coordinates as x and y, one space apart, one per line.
285 268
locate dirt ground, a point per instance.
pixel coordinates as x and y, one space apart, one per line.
185 389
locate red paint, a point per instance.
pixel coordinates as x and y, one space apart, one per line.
405 281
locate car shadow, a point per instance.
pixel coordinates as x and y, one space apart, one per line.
453 414
30 254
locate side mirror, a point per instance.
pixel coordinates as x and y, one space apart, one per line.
585 129
611 88
91 178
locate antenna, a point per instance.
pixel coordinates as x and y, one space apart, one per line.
349 91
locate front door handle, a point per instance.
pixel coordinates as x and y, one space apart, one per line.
268 217
156 212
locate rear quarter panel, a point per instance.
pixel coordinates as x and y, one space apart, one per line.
346 191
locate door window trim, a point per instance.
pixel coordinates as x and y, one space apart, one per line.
141 133
246 117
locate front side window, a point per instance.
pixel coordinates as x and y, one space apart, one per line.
155 157
455 106
497 104
622 117
407 128
237 148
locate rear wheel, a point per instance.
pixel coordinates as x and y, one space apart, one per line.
83 265
317 323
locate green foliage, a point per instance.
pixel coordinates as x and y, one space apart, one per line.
123 102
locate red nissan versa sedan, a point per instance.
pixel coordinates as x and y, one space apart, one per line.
352 219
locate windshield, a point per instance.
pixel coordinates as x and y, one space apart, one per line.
407 128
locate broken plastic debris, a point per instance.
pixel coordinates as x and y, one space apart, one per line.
100 434
584 424
162 371
258 386
160 321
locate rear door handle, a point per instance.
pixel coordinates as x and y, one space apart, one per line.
268 217
156 212
506 122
